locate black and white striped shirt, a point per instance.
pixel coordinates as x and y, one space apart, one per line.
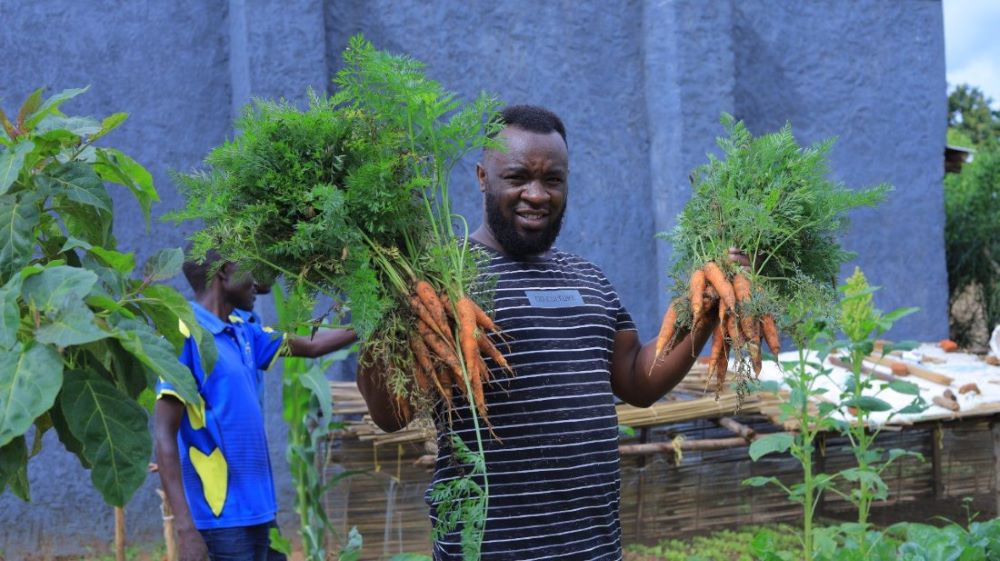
554 478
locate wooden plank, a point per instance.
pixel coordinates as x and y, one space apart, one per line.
913 370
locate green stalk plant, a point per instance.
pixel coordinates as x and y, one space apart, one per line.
862 324
308 410
83 334
350 199
808 321
812 320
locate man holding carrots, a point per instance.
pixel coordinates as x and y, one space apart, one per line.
553 465
212 455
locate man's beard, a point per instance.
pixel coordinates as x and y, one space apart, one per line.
514 244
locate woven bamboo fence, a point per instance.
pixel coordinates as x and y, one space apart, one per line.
681 472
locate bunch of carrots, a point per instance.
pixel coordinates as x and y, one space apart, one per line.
773 199
738 328
437 363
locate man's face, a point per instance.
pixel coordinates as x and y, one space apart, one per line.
240 288
525 189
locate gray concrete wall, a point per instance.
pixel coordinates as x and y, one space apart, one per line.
639 84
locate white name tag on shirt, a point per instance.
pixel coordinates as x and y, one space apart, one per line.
554 298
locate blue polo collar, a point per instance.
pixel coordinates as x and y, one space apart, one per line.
208 320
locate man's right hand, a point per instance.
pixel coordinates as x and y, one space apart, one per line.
191 546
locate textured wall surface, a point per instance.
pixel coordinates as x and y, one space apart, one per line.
873 77
640 86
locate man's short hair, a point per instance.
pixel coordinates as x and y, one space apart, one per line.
198 273
533 118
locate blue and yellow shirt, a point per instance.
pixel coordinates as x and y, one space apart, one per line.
222 443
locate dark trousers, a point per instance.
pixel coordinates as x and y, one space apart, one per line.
242 543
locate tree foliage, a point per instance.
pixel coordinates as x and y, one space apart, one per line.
970 112
972 235
82 339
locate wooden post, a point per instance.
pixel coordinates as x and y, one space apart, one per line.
995 428
936 460
119 534
168 526
643 439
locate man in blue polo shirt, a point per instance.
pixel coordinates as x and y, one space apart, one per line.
212 455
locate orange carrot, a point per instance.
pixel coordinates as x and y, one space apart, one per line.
421 311
715 277
666 329
741 287
696 293
444 382
467 331
484 320
445 353
718 342
733 330
486 346
722 367
755 358
771 333
423 368
430 300
478 396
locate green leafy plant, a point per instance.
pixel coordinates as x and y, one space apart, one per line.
349 198
774 200
812 412
862 324
307 408
82 337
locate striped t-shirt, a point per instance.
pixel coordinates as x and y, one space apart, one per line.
554 478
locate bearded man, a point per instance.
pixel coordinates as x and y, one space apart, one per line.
553 465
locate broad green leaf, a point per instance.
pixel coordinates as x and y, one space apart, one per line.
29 106
73 325
165 306
29 382
13 467
10 312
315 381
51 288
157 354
777 442
72 243
897 314
87 223
66 436
868 403
410 557
114 166
42 425
912 409
77 182
904 387
131 374
80 126
18 217
147 400
113 430
122 262
896 453
109 124
52 104
11 161
163 265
